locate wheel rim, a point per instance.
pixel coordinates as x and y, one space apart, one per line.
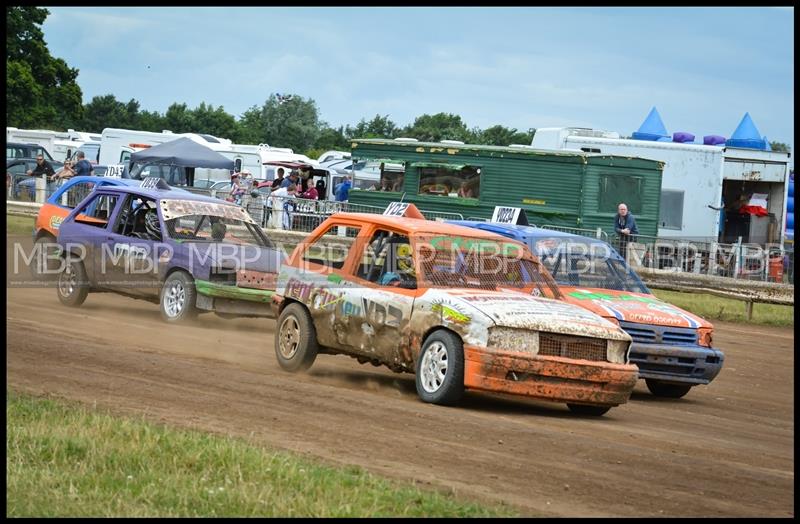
289 339
434 367
174 298
67 281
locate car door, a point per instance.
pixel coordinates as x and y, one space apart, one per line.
130 255
385 278
319 276
85 229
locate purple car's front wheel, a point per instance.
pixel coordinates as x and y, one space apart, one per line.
73 286
178 297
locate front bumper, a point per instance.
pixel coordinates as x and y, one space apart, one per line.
550 378
680 364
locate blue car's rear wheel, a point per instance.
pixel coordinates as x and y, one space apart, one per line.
178 298
73 285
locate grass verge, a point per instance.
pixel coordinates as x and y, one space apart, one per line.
19 225
711 307
67 459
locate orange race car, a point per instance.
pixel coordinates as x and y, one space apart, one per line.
457 307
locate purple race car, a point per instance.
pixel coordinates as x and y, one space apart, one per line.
186 252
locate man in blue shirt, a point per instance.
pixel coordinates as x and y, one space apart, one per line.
83 167
343 189
624 227
292 179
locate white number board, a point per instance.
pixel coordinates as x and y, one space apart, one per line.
506 215
115 170
396 209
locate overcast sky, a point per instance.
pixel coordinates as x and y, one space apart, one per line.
703 68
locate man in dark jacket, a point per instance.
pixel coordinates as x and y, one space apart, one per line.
43 167
625 228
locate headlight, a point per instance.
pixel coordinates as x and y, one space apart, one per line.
513 339
704 336
617 351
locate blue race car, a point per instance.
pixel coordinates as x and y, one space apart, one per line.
672 347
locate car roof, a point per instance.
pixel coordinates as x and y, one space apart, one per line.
416 225
105 180
526 231
157 194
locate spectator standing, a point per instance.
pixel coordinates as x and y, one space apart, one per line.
342 189
280 201
238 189
625 228
276 183
82 167
43 167
293 179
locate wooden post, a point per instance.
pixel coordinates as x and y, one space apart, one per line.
748 306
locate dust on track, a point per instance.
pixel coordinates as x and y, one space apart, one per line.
726 449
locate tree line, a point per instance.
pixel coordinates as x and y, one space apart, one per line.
42 93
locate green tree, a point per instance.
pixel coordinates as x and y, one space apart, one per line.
779 146
441 126
378 127
41 91
179 118
332 138
503 136
151 121
106 111
250 126
206 119
290 123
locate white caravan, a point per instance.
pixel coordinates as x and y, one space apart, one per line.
695 181
328 156
62 145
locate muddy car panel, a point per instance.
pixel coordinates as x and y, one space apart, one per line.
388 325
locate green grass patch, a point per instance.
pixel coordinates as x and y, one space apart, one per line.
712 307
17 225
66 459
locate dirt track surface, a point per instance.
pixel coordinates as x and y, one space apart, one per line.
723 450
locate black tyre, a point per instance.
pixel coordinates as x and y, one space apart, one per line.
73 285
665 389
295 339
592 411
440 369
43 268
178 298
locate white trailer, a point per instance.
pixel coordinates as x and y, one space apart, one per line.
696 180
61 145
117 145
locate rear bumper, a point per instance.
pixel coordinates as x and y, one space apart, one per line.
550 378
679 364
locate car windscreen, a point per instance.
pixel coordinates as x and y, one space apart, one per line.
587 264
209 228
203 221
482 263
